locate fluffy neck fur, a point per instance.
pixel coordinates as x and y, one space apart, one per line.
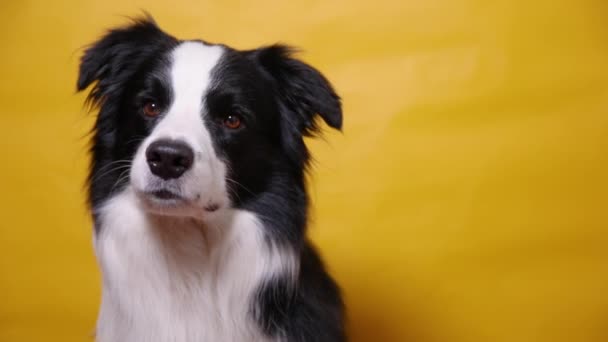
168 279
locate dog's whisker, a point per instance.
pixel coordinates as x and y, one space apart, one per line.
239 185
122 177
127 161
118 168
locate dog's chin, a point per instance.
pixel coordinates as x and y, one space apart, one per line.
167 203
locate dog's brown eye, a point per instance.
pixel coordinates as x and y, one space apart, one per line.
151 109
232 121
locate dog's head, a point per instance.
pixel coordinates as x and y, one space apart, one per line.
193 127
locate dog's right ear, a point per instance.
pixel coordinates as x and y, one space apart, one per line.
114 58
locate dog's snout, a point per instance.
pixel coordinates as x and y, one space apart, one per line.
169 159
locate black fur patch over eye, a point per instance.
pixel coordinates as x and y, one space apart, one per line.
123 68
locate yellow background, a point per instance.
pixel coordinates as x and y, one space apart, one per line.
465 201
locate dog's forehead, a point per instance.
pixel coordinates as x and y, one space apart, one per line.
191 69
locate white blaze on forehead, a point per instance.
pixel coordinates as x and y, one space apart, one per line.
191 70
192 64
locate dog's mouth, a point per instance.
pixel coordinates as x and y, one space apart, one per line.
164 198
164 195
172 203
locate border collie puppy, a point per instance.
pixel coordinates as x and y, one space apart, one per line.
197 189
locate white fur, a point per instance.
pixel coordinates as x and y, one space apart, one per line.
170 272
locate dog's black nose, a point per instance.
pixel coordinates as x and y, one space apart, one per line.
169 158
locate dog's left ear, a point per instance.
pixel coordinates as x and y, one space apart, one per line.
302 89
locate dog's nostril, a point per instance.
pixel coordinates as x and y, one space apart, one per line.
169 159
183 161
153 156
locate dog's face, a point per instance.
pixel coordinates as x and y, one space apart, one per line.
194 128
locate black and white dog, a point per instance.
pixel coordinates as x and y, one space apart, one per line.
197 189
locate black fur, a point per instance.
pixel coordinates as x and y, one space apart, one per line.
279 98
313 312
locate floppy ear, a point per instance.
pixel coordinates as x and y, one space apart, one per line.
114 58
302 89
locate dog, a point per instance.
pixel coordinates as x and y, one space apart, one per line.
197 190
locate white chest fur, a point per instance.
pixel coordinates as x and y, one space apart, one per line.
178 280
